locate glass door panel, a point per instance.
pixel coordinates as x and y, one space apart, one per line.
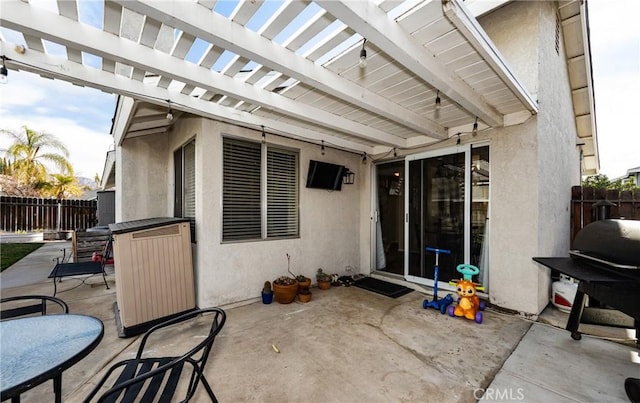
436 208
480 170
390 217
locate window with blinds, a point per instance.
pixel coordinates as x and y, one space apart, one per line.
184 160
282 193
245 190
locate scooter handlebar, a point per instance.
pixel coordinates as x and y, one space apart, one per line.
436 250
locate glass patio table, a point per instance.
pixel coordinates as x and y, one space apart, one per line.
36 349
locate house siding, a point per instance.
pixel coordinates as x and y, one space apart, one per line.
330 224
533 166
141 178
558 153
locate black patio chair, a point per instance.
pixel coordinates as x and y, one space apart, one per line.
151 379
29 309
90 268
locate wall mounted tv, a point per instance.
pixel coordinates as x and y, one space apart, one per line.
323 175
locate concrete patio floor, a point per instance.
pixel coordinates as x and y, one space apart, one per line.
351 345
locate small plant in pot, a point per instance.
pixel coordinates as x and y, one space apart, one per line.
304 295
303 282
324 280
285 289
267 293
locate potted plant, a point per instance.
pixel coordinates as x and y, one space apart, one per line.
304 295
267 293
285 289
324 280
303 282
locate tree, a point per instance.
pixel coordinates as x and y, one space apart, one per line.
601 181
31 151
63 186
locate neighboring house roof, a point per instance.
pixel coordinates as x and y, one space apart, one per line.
631 173
108 178
292 68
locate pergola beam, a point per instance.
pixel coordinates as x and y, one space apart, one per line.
59 68
366 18
33 21
216 29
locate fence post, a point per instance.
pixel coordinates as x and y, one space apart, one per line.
59 216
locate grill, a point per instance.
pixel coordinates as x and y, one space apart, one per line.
605 260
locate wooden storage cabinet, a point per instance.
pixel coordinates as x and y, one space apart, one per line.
153 271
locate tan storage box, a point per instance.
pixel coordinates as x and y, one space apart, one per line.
153 271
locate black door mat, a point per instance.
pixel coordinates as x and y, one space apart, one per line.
382 287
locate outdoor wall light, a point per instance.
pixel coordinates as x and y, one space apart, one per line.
364 158
349 177
322 147
363 55
438 100
474 132
4 72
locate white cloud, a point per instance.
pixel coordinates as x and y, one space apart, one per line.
87 149
80 117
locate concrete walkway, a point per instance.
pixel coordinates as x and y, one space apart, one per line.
35 267
351 345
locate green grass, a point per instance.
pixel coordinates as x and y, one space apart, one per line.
12 252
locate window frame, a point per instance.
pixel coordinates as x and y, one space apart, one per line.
179 188
264 186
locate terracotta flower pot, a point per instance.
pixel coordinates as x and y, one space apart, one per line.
285 294
304 297
324 285
302 284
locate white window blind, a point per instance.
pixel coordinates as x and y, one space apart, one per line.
246 191
282 193
241 195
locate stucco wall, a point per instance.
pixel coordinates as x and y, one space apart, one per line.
514 30
558 155
533 165
330 224
141 178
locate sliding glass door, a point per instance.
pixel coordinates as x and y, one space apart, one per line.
447 205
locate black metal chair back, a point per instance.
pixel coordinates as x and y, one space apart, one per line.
150 379
39 307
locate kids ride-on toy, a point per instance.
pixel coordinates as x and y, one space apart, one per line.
439 304
469 304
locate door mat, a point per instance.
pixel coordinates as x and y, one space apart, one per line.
382 287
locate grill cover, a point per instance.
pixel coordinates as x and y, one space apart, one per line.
616 241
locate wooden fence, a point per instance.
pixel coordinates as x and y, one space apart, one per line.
583 212
34 214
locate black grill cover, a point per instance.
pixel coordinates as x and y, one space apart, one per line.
616 241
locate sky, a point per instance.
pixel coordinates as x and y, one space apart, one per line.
81 117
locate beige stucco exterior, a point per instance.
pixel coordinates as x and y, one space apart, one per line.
533 166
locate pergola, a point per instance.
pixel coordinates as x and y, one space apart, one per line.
292 67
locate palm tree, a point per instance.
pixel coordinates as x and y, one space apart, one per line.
31 150
64 186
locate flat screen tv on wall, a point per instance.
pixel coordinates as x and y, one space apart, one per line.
323 175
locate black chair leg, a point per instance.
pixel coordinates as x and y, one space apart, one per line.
208 388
